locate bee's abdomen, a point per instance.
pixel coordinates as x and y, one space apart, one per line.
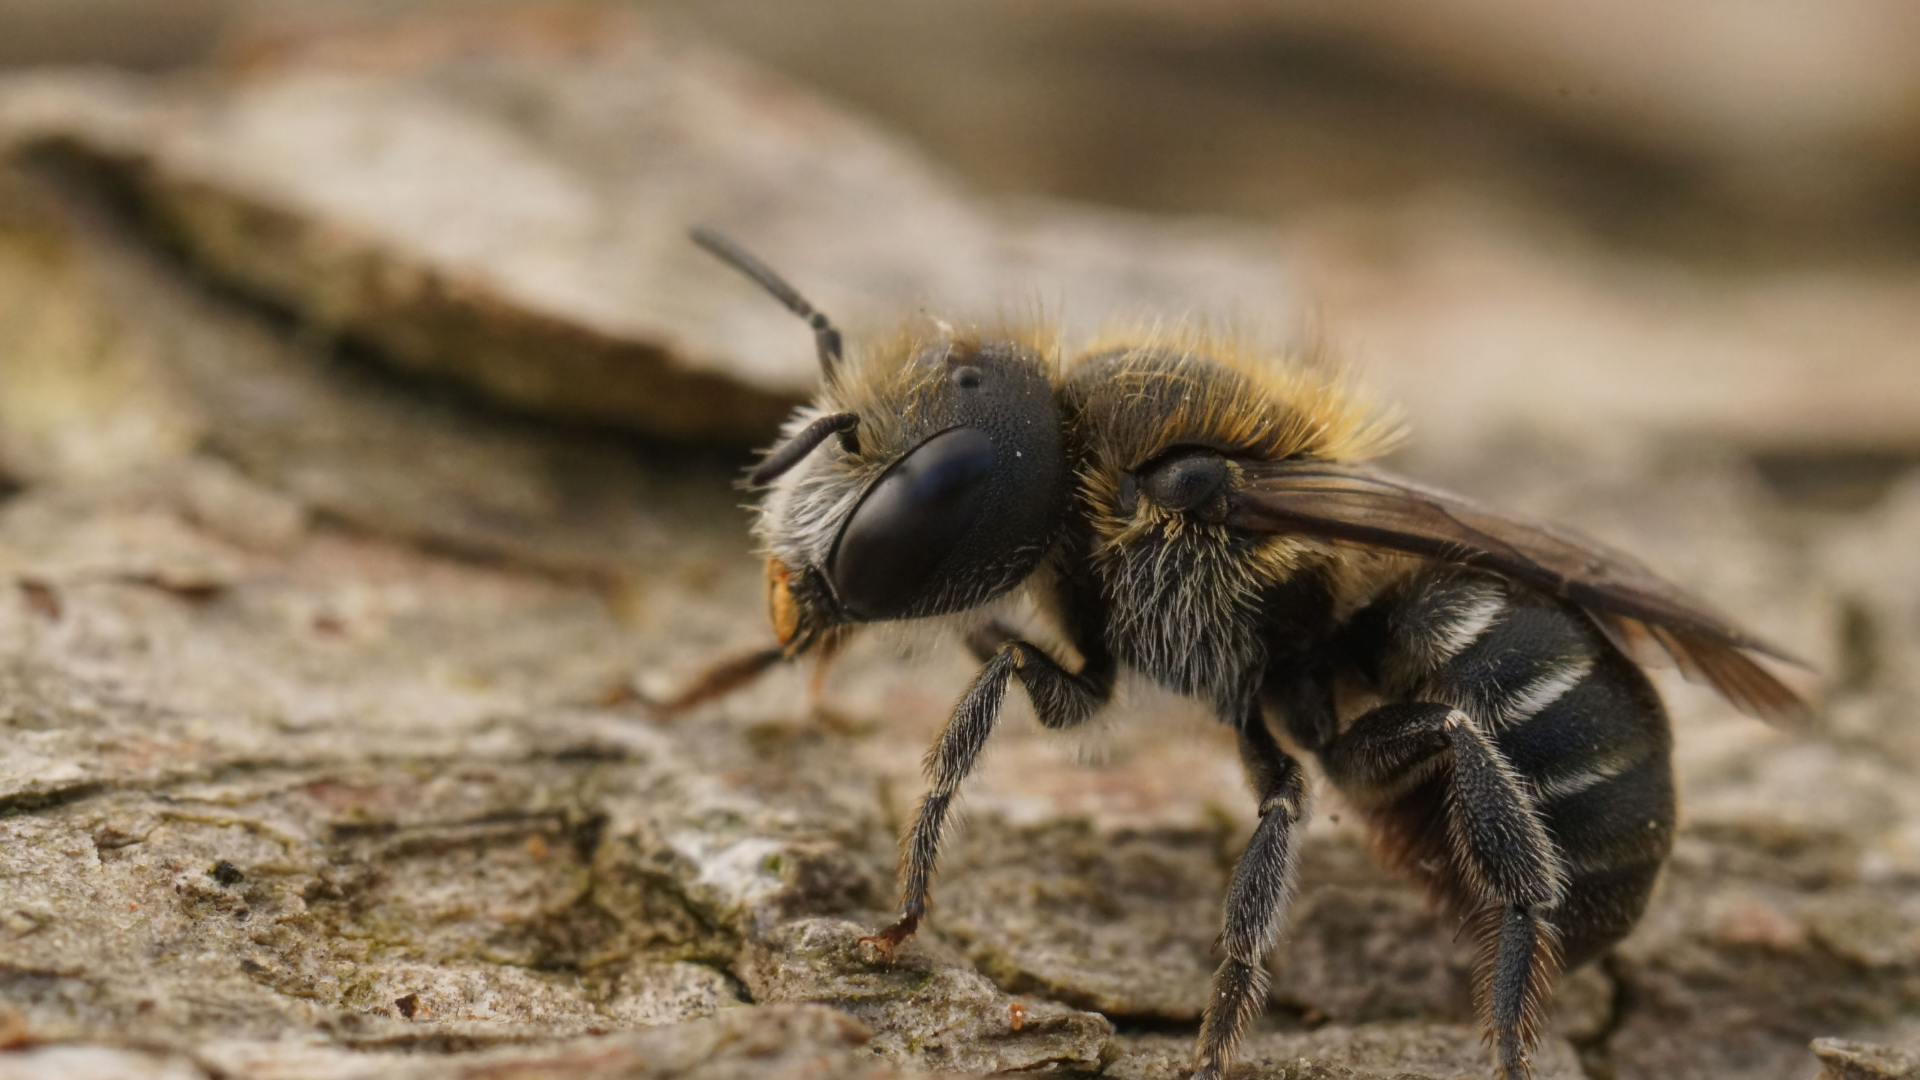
1578 722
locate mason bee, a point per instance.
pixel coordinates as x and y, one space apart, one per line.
1202 515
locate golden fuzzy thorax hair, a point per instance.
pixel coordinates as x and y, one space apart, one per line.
1134 397
1141 393
1157 388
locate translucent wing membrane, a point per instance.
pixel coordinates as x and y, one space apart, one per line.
1637 608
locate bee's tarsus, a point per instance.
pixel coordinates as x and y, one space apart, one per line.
826 339
886 944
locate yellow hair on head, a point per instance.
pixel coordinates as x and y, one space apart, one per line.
883 383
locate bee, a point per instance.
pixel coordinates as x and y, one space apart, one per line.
1203 515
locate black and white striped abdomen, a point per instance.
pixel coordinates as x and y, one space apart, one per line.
1578 721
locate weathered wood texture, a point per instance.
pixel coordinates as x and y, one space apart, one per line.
314 761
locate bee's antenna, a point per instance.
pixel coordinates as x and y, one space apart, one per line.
789 453
826 339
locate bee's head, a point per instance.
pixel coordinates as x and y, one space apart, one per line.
926 479
948 493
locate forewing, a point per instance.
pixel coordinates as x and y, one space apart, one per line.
1364 507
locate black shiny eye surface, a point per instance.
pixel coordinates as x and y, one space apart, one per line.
909 522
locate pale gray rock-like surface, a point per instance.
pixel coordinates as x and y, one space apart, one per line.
318 757
1842 1060
1386 1051
774 1041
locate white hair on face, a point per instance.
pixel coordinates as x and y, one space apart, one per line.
802 513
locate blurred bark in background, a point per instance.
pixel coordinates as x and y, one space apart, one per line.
368 431
1775 115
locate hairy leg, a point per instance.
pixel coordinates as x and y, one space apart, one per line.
1497 844
1258 897
1061 699
1500 841
1388 749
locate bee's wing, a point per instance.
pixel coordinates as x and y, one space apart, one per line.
1355 505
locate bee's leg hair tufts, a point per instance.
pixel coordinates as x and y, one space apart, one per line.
1257 899
1498 846
1061 699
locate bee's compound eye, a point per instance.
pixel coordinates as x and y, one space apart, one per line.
909 522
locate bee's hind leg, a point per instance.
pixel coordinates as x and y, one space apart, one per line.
1061 699
1498 847
1257 899
1499 835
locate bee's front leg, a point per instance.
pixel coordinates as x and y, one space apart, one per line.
1061 699
721 678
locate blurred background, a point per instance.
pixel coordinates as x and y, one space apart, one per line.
1700 219
369 432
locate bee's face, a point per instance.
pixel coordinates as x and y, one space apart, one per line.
951 491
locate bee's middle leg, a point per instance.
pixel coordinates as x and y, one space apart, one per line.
1061 699
1258 897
